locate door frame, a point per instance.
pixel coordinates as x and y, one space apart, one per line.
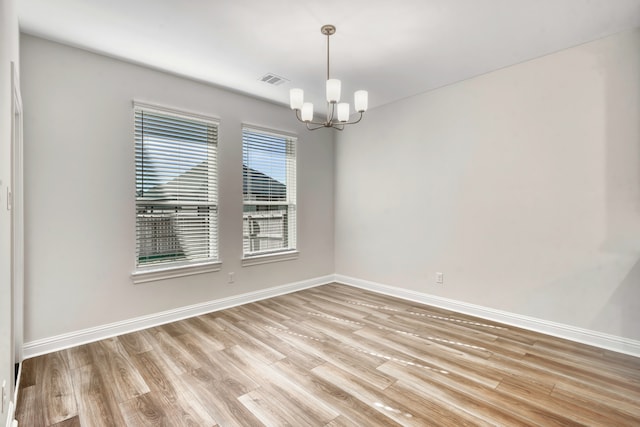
17 215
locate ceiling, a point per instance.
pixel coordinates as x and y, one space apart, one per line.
394 49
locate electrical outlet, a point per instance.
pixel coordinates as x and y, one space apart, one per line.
440 278
231 277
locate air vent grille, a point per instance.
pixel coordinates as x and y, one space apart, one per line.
273 79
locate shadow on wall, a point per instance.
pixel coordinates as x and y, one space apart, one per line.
623 306
622 150
622 186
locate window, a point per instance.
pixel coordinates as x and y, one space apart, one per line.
269 190
176 188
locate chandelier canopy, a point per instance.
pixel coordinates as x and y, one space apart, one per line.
338 113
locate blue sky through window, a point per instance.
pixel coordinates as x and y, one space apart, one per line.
269 157
163 165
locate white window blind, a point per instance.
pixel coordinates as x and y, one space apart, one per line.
269 190
176 188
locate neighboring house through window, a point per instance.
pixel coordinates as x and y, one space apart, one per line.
269 192
176 188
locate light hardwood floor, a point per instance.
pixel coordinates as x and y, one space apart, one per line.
331 356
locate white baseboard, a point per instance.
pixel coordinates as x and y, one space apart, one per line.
72 339
585 336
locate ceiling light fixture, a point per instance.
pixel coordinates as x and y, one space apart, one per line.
337 112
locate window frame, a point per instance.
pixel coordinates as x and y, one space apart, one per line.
291 252
167 270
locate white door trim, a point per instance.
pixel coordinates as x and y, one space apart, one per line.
17 215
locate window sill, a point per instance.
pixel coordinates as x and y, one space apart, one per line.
161 273
269 258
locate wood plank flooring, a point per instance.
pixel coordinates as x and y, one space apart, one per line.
331 356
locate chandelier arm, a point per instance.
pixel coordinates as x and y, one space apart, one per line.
319 125
355 121
303 121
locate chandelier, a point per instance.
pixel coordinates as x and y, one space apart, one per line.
337 112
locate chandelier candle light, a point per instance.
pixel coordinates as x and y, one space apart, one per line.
337 112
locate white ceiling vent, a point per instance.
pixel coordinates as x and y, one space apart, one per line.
273 79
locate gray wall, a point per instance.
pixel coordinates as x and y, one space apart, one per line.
522 186
79 187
